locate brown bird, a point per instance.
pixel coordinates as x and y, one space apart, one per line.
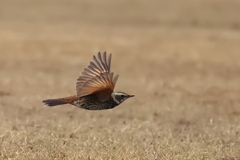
94 87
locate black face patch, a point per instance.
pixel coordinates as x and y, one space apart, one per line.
119 97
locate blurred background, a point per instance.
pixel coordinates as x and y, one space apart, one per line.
180 58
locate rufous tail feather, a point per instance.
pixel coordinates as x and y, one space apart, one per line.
60 101
54 102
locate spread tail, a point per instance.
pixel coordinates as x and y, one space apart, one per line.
53 102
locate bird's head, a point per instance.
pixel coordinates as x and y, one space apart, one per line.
119 97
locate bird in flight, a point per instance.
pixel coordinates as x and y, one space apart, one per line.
94 87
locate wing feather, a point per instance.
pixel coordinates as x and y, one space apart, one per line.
109 61
89 73
97 64
95 67
96 77
103 60
99 60
90 67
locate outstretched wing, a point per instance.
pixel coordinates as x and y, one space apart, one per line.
97 78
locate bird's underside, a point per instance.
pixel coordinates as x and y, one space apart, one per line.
94 87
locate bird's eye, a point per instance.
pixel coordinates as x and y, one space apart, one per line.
122 96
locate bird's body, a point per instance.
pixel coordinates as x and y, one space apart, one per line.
92 102
94 87
89 102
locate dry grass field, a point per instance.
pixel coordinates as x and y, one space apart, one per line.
180 58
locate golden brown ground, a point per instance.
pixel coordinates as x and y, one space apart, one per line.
180 58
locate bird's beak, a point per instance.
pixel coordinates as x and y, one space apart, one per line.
131 96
